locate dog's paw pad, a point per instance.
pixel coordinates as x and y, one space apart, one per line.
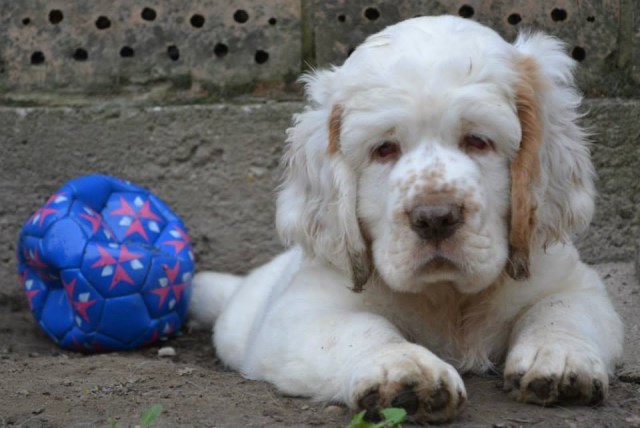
407 399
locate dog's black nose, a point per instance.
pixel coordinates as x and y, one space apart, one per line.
435 222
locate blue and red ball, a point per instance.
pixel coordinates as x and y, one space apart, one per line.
106 265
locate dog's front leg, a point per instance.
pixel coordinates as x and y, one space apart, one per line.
318 340
564 347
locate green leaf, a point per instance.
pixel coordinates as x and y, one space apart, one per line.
150 415
358 421
393 416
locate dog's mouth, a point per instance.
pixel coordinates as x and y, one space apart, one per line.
438 264
438 269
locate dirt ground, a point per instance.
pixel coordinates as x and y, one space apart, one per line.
43 386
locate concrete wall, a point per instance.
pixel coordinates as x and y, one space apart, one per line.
199 49
218 165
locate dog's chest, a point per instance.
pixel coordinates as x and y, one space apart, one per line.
456 327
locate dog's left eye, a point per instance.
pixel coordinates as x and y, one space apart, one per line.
386 151
477 143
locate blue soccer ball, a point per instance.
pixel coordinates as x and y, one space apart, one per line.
105 266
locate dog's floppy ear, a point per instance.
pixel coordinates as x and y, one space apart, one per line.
551 176
317 203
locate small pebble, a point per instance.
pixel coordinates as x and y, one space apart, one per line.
23 392
38 410
334 410
185 371
257 171
304 407
633 421
167 351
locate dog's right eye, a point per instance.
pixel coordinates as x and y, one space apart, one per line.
386 151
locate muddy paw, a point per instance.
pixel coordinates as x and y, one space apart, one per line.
560 372
412 378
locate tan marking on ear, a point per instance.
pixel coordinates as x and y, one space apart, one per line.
525 171
335 122
360 261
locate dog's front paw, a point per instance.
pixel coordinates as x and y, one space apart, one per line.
564 370
407 376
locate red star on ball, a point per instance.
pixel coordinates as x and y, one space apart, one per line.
80 307
178 244
30 295
94 218
69 287
136 225
33 259
177 289
41 215
120 274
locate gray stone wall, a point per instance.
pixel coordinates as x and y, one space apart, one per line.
218 167
203 49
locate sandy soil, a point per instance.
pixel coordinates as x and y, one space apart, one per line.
42 386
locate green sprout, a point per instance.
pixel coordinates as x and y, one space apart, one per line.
148 418
392 418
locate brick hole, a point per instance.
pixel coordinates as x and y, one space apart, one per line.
261 56
127 52
26 21
591 18
578 53
272 21
241 16
220 50
55 16
197 21
466 11
80 55
102 23
342 18
173 52
558 14
148 14
514 19
371 13
37 58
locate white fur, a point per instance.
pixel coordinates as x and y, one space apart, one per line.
423 83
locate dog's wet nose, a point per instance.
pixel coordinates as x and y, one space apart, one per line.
435 222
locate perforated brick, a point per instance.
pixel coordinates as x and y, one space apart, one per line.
102 45
590 28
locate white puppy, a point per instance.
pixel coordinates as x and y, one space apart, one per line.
431 188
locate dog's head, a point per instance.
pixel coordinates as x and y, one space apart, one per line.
437 153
